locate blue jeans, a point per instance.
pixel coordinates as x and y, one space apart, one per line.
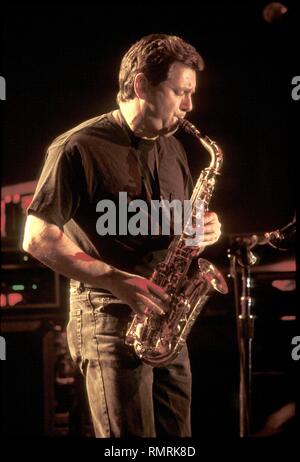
127 398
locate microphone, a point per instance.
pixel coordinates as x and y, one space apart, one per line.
252 240
284 238
281 239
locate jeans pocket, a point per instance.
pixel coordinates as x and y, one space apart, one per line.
98 302
108 306
110 323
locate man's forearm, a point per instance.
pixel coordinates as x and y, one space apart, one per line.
50 245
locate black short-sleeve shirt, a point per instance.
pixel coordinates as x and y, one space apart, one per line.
96 161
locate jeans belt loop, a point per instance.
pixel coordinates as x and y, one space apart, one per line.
80 288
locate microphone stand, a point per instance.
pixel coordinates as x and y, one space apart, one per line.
241 254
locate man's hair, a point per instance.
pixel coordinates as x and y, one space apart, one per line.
153 55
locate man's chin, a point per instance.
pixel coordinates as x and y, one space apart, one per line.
170 130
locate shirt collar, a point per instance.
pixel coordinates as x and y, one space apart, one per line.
135 141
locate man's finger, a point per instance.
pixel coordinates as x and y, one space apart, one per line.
212 229
159 292
152 305
210 217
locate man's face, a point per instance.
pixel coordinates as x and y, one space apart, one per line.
169 100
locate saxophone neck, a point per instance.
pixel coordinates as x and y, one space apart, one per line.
215 154
210 145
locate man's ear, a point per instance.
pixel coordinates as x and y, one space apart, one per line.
141 85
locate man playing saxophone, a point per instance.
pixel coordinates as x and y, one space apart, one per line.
131 149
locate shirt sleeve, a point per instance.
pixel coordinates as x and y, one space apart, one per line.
57 195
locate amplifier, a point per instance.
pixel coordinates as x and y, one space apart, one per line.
26 283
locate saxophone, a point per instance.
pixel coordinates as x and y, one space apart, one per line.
156 339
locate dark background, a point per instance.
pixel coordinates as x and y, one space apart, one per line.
61 67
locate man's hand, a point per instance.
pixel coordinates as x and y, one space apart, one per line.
212 229
143 296
206 230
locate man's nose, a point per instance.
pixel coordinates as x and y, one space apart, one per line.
186 103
